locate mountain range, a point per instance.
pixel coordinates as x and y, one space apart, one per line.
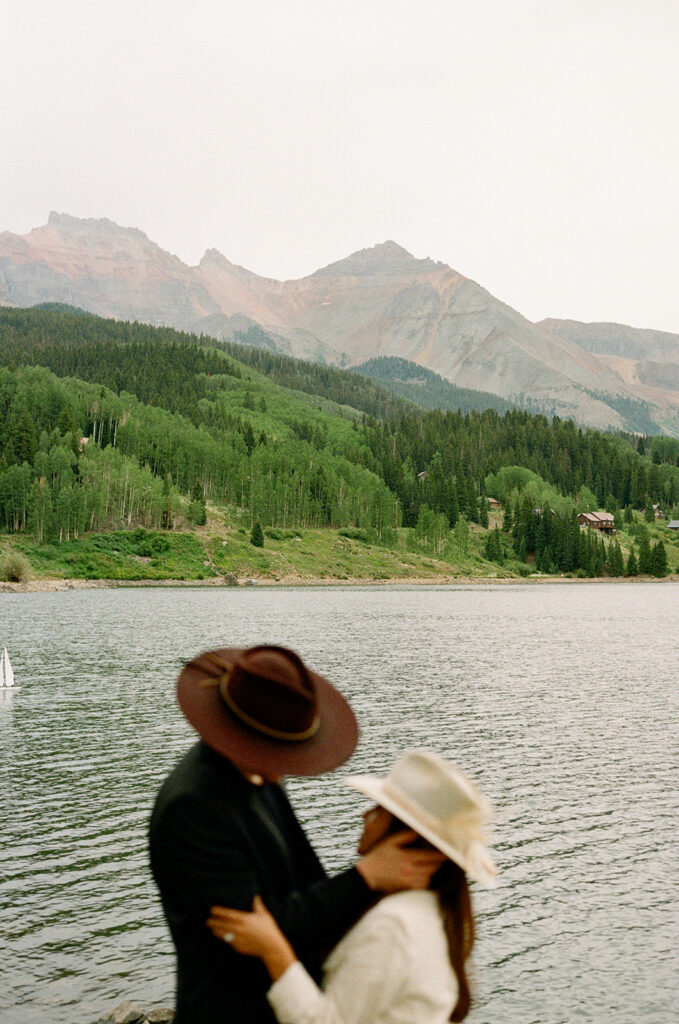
377 302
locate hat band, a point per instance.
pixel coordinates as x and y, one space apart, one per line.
266 730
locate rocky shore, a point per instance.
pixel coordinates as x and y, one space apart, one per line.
129 1012
55 585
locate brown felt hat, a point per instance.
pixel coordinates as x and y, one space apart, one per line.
264 710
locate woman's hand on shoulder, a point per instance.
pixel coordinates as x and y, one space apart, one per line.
254 934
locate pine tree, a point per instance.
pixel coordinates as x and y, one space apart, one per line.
249 438
257 535
197 506
483 511
22 434
453 504
659 560
167 501
614 562
632 568
599 567
645 559
493 547
671 491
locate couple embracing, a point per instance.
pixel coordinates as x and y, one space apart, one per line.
262 933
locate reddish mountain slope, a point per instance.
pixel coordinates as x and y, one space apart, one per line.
379 301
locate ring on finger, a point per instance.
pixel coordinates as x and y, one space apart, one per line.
228 937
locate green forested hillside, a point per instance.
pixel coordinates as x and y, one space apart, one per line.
107 425
70 342
426 389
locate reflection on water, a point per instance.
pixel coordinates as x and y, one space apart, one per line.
561 701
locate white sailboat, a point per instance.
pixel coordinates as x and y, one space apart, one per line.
6 671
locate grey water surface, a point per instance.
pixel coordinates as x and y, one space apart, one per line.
561 700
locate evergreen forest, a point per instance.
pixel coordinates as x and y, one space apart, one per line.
107 427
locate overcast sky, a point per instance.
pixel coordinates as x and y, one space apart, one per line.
530 144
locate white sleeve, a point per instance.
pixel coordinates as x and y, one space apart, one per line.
365 979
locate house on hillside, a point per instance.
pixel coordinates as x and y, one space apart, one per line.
494 503
673 525
603 521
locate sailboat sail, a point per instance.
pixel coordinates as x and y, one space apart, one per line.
6 670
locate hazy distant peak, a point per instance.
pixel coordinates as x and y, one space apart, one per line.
388 249
385 258
56 219
101 226
606 338
380 301
215 261
215 256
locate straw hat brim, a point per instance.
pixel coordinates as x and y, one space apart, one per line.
332 744
476 861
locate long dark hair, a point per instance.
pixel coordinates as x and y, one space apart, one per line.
450 885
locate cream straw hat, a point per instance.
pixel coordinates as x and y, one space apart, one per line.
441 804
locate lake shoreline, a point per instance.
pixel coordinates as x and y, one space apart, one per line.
58 585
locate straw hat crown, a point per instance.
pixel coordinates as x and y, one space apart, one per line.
441 804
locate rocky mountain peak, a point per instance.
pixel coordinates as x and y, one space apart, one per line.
214 256
385 258
377 301
92 227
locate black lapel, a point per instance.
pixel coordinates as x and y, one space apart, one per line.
264 816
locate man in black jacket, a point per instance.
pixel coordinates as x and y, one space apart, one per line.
222 829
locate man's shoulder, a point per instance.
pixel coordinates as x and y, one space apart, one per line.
200 776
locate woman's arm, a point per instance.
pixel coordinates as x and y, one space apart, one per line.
254 934
369 968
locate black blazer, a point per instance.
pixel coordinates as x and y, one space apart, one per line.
216 838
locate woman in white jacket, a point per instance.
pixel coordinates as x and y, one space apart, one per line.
404 960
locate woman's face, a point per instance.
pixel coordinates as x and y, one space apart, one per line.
376 822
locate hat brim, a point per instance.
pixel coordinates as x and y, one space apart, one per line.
332 744
481 868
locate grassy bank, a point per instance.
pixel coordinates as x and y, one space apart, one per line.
220 553
205 554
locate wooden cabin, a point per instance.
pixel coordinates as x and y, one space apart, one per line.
603 521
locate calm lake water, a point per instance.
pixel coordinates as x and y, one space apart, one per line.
562 701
